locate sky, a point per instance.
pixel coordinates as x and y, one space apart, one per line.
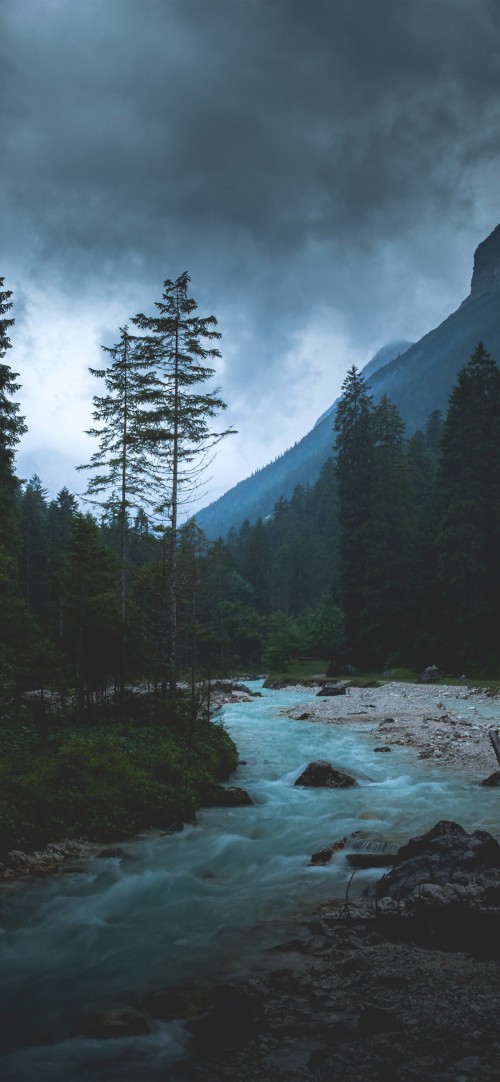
323 169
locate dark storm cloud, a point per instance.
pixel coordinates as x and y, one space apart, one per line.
291 154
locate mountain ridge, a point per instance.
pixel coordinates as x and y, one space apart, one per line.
418 380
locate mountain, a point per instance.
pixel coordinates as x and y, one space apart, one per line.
418 378
384 355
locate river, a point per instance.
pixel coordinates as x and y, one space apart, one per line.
204 905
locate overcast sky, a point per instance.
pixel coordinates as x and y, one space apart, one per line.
324 169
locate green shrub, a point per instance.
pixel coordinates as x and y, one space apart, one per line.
105 783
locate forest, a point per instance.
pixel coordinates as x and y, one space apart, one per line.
116 620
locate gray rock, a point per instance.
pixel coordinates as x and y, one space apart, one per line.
322 774
493 780
330 690
434 857
230 797
430 675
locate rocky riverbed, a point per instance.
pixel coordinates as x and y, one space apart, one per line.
402 986
447 724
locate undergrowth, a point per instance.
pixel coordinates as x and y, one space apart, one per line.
105 783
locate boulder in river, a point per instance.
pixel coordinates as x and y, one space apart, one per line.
230 797
323 856
437 856
322 775
362 851
493 780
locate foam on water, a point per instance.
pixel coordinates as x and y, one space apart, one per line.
205 904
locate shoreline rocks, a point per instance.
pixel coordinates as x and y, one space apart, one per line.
415 716
401 991
18 865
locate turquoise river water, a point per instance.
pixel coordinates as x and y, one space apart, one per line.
205 905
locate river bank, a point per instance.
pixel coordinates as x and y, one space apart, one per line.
355 1006
443 723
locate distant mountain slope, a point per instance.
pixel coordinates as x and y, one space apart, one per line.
299 465
381 358
418 380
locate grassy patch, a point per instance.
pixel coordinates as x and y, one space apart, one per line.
105 783
298 672
309 672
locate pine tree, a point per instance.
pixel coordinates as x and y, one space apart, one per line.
91 613
176 343
120 467
12 427
388 558
468 541
354 472
60 522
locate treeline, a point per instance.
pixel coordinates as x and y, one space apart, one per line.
393 557
97 738
92 606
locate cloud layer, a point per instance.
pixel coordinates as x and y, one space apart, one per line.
323 170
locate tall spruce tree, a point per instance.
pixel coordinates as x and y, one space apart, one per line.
60 521
120 466
17 630
389 545
34 554
177 344
468 541
12 426
354 471
121 469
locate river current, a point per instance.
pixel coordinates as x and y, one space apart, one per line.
207 904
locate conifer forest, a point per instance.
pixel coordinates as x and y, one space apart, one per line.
118 612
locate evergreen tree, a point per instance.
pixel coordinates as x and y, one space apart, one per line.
12 427
91 613
34 553
18 637
354 471
230 630
177 344
60 522
283 641
424 613
469 535
324 631
120 467
389 555
255 567
434 432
